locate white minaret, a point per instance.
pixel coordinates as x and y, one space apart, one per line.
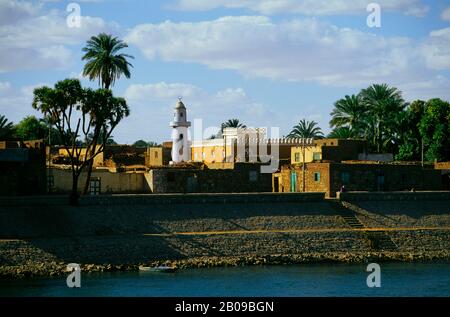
181 151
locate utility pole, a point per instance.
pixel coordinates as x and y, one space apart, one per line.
422 152
303 165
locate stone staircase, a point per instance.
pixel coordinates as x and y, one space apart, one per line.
379 240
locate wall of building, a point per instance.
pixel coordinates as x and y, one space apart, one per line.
334 150
22 168
330 177
245 177
98 160
129 182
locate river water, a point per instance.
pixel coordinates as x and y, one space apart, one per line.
397 279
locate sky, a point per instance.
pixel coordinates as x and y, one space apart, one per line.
269 63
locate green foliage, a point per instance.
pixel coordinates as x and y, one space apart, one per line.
140 143
349 113
435 130
76 112
6 128
232 123
306 129
30 128
384 106
342 133
103 61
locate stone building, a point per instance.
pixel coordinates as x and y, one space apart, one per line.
23 168
239 178
158 155
329 177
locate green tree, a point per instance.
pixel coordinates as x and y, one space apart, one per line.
6 128
410 140
75 111
349 112
232 123
306 129
384 106
342 133
140 143
434 127
31 128
104 63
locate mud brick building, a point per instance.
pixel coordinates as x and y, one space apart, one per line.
328 177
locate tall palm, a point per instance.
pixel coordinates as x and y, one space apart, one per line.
348 112
232 123
6 128
306 129
384 107
104 62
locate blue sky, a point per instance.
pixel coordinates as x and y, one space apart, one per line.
269 63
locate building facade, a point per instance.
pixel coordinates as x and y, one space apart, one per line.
356 176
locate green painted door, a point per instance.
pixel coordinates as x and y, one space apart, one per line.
293 182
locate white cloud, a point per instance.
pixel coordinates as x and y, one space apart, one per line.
42 40
295 50
437 49
445 15
154 103
15 103
12 11
305 7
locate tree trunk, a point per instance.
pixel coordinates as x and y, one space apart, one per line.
91 161
73 199
88 176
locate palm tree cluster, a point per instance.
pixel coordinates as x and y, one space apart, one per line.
374 114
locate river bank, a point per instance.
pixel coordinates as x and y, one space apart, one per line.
39 238
53 269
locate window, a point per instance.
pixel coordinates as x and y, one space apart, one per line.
203 155
297 157
181 114
316 176
317 156
170 176
253 176
156 154
181 136
345 177
94 186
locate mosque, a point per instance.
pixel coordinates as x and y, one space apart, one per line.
235 144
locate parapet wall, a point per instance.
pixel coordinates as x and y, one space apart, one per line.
165 199
394 196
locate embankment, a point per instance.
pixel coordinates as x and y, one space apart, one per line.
40 235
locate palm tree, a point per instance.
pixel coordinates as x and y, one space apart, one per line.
342 133
6 128
384 106
306 129
348 112
232 123
103 61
